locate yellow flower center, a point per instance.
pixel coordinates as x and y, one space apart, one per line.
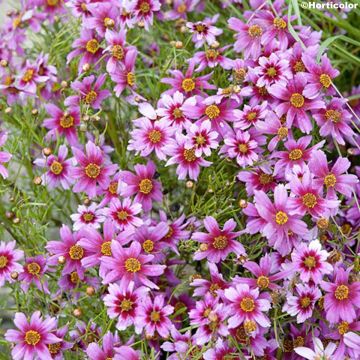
333 115
113 187
66 121
87 217
249 326
305 302
297 100
263 282
189 155
325 80
343 328
243 148
52 2
299 66
106 248
122 215
76 252
74 277
144 7
200 28
247 304
130 78
211 54
282 132
90 97
281 218
279 23
117 52
92 170
126 305
132 265
17 22
3 261
92 46
109 23
155 316
200 140
177 113
56 167
271 72
154 136
330 180
310 262
342 292
309 200
54 348
8 80
322 223
188 84
33 268
255 31
212 112
181 8
251 116
32 337
299 341
28 75
295 154
239 75
169 233
145 186
220 242
148 246
265 179
213 289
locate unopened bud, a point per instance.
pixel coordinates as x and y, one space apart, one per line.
77 312
37 180
46 151
34 111
90 290
243 203
189 184
14 275
86 67
16 220
61 259
8 110
4 63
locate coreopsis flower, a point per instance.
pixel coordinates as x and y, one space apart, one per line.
177 229
92 169
180 9
319 77
248 37
56 349
124 304
334 121
142 11
89 92
85 333
250 115
311 262
318 352
246 306
342 298
33 272
9 257
179 345
69 248
88 47
126 353
111 191
63 123
334 180
123 213
110 345
153 317
130 264
32 337
103 17
141 184
87 216
302 304
204 31
186 159
211 58
4 156
294 103
30 78
218 243
280 221
79 8
220 351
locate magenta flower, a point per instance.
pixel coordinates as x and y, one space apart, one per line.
92 170
87 216
30 78
294 103
220 351
180 8
33 337
110 345
310 262
250 115
154 316
124 304
280 222
342 298
63 123
143 184
246 305
319 351
217 244
4 156
211 58
186 159
9 257
129 264
103 16
302 305
143 11
126 353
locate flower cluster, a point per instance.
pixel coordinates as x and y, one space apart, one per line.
255 255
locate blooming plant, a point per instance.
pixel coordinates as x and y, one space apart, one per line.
179 179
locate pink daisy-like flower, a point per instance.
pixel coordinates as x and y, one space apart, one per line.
33 271
310 262
150 136
302 305
342 298
294 103
4 156
319 351
124 305
186 159
177 229
246 305
211 58
250 115
280 222
30 77
129 264
217 244
110 345
154 316
123 214
220 351
143 184
180 9
58 169
142 11
9 257
92 170
87 216
33 337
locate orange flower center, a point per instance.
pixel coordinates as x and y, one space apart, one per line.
126 305
177 113
109 23
309 200
188 84
251 116
76 252
92 170
212 112
295 154
145 186
189 155
145 7
343 328
154 136
92 46
3 261
325 80
297 100
299 66
271 72
281 218
333 115
90 97
155 316
211 54
342 292
279 23
263 282
54 348
32 337
310 262
117 52
283 132
33 268
255 31
122 215
265 179
130 78
74 277
305 302
243 148
106 248
113 187
56 167
132 265
247 304
28 75
249 326
66 121
330 180
220 242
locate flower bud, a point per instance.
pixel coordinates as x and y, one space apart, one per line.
46 151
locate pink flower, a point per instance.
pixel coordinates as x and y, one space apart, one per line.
211 58
9 257
142 10
110 345
129 264
4 156
154 316
30 77
217 244
246 305
250 115
319 353
87 216
342 298
33 337
92 170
